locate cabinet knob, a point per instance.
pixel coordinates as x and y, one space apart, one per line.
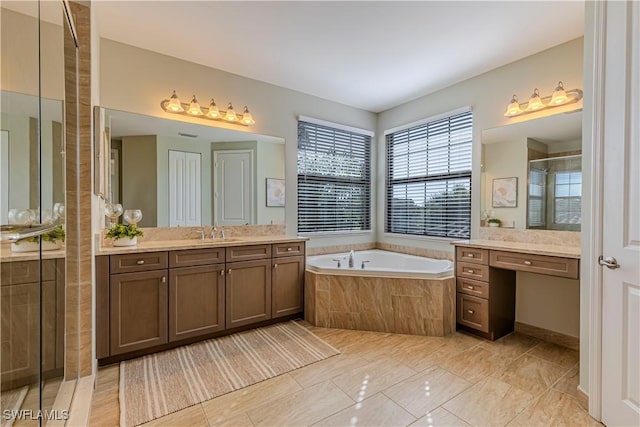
470 255
470 287
229 271
140 262
222 272
527 263
470 271
470 311
164 279
275 265
289 249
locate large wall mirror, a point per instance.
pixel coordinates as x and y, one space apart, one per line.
185 174
532 173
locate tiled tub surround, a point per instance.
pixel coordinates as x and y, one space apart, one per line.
384 304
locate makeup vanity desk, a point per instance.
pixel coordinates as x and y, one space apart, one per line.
486 280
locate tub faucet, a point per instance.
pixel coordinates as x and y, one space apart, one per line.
352 255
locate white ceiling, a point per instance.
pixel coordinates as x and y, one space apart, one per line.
370 55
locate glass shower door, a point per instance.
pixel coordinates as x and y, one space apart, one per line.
32 197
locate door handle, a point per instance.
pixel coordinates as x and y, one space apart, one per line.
610 262
14 232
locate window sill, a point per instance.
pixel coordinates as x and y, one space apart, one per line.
423 238
329 234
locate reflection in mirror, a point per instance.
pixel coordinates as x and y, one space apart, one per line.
545 155
185 174
20 150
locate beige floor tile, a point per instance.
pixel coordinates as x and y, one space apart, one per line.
530 374
427 390
105 409
439 418
241 420
372 378
554 408
304 407
192 416
512 345
554 353
416 353
475 363
490 402
241 401
378 410
327 369
373 345
569 384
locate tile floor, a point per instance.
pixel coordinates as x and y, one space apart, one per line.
392 380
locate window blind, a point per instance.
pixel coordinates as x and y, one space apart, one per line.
429 178
536 206
568 198
334 179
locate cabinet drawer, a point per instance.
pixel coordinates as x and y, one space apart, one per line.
18 272
288 249
475 255
473 287
551 265
194 257
472 271
473 312
247 253
130 263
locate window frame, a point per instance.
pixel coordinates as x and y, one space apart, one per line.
365 182
443 177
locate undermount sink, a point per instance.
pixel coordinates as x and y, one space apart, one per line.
216 240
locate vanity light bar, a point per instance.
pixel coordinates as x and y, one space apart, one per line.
535 103
173 105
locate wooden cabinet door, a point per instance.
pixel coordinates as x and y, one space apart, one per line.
287 279
196 301
138 311
248 292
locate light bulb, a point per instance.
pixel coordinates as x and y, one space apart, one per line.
231 115
194 107
513 109
174 105
535 102
213 111
559 96
247 118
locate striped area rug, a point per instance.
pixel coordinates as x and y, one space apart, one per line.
159 384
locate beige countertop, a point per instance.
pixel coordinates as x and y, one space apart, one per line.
523 247
170 245
6 255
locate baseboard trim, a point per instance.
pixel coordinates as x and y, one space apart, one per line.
549 336
583 398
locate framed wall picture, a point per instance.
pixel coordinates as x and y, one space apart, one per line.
505 192
275 192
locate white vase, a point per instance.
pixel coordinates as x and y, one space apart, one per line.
34 246
126 241
493 224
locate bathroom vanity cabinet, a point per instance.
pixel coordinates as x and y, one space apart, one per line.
486 283
20 330
156 300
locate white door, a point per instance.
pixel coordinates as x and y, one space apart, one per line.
621 217
185 189
233 183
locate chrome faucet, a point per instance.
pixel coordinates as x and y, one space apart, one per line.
201 233
222 234
213 233
352 255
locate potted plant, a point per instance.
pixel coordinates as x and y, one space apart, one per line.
124 235
51 240
494 222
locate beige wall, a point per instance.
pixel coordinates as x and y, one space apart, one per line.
136 80
139 177
502 160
